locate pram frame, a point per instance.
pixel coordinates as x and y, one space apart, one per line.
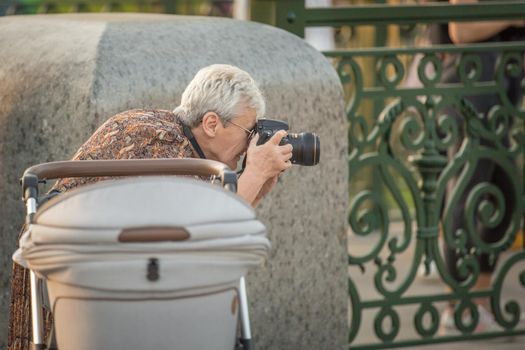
37 174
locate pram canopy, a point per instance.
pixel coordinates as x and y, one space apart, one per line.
173 218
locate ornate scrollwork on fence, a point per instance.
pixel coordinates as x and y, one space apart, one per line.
429 150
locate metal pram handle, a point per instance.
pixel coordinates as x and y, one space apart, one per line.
133 167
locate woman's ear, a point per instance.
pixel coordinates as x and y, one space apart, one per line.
210 123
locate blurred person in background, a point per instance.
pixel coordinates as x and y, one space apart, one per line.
485 171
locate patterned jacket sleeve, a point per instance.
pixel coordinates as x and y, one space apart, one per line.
135 134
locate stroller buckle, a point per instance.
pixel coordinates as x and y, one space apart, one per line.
153 270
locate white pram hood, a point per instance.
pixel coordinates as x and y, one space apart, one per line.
75 238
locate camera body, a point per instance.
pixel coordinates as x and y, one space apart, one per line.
306 145
266 128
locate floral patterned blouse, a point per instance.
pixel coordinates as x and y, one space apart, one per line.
134 134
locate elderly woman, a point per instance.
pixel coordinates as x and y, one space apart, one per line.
215 120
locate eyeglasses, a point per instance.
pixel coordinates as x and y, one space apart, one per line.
250 133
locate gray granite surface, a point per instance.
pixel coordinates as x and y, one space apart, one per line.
62 75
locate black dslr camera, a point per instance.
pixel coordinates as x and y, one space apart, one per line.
306 148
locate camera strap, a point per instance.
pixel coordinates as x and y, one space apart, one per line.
187 132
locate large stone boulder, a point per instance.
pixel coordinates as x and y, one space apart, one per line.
61 76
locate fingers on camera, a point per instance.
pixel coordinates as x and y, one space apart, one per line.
277 137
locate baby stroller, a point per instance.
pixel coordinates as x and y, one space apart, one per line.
149 262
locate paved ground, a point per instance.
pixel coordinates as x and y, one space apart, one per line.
424 286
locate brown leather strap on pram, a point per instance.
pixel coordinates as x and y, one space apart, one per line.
133 167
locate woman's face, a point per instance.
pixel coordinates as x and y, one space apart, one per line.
232 138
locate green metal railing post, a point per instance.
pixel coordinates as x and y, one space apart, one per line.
285 14
290 16
380 40
170 6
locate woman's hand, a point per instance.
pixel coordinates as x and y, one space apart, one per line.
264 164
269 159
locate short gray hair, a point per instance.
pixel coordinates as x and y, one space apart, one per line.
222 89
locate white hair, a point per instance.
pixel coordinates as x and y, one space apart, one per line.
220 88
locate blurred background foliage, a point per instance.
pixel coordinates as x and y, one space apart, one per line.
183 7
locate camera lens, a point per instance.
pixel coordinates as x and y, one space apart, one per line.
306 148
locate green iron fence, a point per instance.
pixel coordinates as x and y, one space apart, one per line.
408 144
